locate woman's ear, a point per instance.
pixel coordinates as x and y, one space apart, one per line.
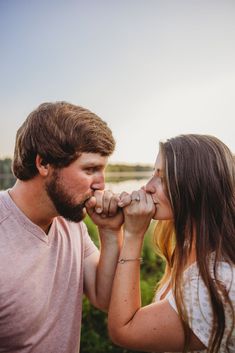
42 166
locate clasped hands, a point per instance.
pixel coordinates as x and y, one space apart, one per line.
109 210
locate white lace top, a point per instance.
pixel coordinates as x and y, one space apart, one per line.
198 306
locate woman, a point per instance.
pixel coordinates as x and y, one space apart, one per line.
192 194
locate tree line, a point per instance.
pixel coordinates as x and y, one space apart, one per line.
7 178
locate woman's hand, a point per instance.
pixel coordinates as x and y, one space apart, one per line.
138 211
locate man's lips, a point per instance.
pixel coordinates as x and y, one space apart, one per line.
85 200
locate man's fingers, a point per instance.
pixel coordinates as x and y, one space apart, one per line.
104 203
98 194
107 197
91 202
113 207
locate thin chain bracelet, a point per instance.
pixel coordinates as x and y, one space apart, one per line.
122 261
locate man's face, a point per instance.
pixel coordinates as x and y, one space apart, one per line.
68 188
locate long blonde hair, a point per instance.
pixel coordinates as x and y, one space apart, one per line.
164 241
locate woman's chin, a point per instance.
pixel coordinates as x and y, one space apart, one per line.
155 217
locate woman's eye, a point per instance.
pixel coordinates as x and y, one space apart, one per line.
160 180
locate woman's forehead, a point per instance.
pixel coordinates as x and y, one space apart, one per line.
158 167
159 161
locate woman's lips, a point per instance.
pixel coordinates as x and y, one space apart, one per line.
155 202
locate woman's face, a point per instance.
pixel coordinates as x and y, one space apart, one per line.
157 188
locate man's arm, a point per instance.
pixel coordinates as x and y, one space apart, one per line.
100 267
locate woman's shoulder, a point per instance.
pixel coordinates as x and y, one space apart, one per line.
195 289
197 299
222 271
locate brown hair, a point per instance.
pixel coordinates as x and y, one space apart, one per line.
59 132
200 181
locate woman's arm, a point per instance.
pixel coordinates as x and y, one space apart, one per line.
155 327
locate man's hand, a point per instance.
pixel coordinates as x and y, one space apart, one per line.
104 211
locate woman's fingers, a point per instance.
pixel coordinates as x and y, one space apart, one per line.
135 196
125 199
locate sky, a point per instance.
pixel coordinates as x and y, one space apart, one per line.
152 69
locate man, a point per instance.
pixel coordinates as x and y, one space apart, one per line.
47 259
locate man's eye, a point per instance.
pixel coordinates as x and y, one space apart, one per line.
90 170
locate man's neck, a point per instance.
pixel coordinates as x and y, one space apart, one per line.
31 198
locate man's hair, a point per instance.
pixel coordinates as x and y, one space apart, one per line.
59 132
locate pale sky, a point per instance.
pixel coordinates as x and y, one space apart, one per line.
151 69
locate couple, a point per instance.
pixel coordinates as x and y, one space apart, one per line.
48 260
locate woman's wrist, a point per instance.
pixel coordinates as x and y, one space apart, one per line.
131 248
136 235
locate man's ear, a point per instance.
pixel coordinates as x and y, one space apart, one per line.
42 166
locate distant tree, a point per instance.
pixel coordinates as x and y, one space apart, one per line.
7 178
5 166
128 168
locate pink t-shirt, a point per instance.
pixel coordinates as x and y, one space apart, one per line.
41 282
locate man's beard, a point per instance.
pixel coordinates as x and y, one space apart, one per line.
62 201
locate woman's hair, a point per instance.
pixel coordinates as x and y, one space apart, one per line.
164 239
59 132
200 182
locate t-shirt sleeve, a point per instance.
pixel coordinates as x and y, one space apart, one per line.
197 301
198 310
89 246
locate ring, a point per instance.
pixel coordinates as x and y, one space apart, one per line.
137 198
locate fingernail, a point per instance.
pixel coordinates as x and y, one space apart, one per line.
98 210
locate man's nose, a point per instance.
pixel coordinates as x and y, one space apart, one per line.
98 183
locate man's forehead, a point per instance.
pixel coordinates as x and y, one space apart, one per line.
92 158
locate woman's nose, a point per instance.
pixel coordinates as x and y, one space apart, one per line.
149 187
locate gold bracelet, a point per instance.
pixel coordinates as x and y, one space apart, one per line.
122 261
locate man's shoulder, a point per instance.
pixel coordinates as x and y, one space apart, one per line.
4 210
